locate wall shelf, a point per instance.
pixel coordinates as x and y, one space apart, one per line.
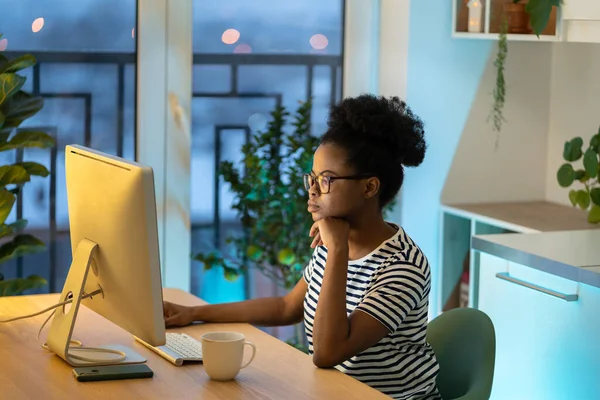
492 14
510 37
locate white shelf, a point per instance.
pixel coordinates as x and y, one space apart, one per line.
491 21
510 37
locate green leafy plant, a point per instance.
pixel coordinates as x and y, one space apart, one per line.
270 200
16 106
587 198
539 12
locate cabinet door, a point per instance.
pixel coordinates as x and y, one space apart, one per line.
568 346
508 307
547 348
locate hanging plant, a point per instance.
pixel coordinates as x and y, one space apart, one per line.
539 12
500 89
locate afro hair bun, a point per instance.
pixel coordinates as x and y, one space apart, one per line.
386 122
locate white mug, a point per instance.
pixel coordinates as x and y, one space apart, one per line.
222 354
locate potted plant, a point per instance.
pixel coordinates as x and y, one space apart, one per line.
587 198
270 200
515 21
16 106
516 17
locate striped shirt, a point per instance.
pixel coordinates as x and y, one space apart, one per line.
392 285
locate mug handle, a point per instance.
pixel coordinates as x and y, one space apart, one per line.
253 354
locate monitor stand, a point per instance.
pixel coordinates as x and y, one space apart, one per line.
61 329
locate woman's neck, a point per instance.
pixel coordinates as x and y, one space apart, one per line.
367 232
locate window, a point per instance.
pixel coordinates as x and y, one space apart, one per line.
249 57
86 73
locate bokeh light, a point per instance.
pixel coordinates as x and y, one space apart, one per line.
242 48
257 122
319 41
230 36
37 25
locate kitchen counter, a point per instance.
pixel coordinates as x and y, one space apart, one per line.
573 255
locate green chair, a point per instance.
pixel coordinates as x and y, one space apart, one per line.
464 343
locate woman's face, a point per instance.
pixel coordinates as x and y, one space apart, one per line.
345 197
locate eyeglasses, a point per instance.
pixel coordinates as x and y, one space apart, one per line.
324 182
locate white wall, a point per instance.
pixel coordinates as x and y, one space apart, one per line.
515 170
574 106
552 96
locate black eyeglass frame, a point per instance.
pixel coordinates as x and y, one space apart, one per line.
319 179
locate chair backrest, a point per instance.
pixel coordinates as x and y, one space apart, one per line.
464 342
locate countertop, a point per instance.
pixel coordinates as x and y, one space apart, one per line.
573 255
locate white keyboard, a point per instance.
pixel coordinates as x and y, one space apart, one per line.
179 348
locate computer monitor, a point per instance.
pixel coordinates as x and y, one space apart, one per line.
114 240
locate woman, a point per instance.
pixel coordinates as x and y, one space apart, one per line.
364 295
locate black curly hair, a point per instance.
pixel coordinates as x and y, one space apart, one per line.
381 136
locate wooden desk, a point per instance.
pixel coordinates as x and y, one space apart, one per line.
278 372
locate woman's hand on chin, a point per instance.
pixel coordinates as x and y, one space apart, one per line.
330 232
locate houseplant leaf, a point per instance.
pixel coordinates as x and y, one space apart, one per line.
20 107
34 168
4 135
590 163
13 287
15 227
286 256
5 230
594 215
595 143
254 252
582 176
565 175
9 85
230 274
7 200
28 139
573 195
17 64
19 246
539 13
583 199
595 196
572 149
13 175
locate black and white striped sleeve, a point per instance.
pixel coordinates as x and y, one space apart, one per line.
395 293
307 273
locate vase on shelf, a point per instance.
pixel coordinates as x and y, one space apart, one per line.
475 18
517 17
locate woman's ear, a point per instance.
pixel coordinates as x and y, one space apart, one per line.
372 187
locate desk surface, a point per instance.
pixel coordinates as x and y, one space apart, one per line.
278 372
